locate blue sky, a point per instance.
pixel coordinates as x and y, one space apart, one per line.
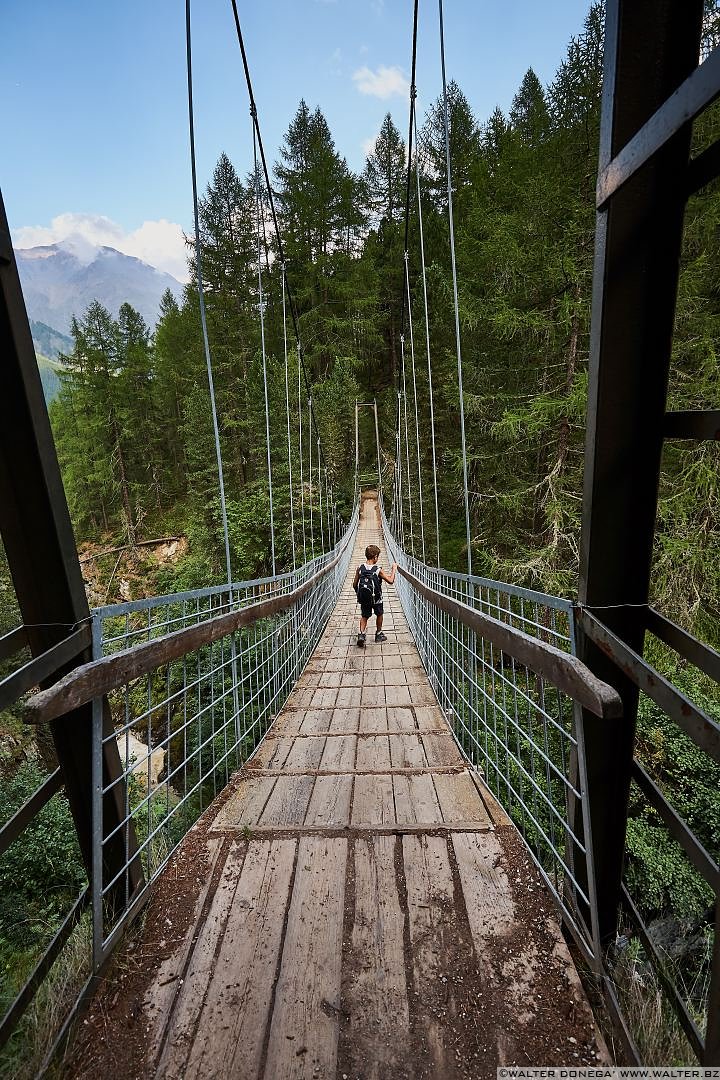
94 119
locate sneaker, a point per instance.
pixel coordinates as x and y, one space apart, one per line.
380 637
361 640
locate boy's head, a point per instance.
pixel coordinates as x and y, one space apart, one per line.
372 553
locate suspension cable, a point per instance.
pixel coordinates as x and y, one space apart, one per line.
407 446
455 291
300 458
287 414
261 302
310 472
201 298
405 266
320 507
271 198
415 404
427 345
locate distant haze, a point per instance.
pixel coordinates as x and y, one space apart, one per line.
61 280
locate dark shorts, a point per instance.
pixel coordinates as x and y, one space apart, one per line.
366 610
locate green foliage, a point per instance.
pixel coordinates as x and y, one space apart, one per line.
47 861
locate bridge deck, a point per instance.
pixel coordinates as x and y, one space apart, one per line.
355 905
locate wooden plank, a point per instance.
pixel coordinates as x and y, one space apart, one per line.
315 721
348 696
399 676
400 719
272 753
487 892
374 1042
246 805
373 752
433 922
430 717
407 752
362 829
304 754
235 1016
372 696
190 1000
330 801
306 1015
493 807
373 802
300 698
168 982
324 698
344 720
353 678
373 719
398 695
416 800
339 753
422 693
441 749
288 802
459 798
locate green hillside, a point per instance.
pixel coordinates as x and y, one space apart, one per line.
49 374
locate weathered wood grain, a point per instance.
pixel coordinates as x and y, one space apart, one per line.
416 800
374 990
339 753
236 1012
189 1002
407 752
246 805
459 798
373 753
433 931
373 802
288 801
158 1004
306 1015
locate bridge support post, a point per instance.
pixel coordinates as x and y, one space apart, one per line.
651 46
40 547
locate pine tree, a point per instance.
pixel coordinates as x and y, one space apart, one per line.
384 176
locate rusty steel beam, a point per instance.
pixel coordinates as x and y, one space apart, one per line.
651 49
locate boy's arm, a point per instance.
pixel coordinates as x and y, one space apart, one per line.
391 576
356 579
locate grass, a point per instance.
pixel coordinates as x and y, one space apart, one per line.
25 1053
651 1019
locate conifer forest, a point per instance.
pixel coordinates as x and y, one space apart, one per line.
134 431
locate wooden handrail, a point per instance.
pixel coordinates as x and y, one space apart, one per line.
564 671
99 677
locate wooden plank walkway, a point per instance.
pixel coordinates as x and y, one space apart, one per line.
356 905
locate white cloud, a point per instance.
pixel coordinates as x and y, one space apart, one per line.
159 243
369 144
384 83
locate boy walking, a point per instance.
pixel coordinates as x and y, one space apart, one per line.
368 586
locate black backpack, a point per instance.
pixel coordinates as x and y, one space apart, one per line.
368 590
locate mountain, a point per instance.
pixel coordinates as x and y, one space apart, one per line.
49 342
61 280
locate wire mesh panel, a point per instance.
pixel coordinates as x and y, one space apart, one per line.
519 731
185 727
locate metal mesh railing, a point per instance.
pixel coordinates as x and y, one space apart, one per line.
182 729
519 731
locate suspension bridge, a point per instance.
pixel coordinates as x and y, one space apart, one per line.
385 861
